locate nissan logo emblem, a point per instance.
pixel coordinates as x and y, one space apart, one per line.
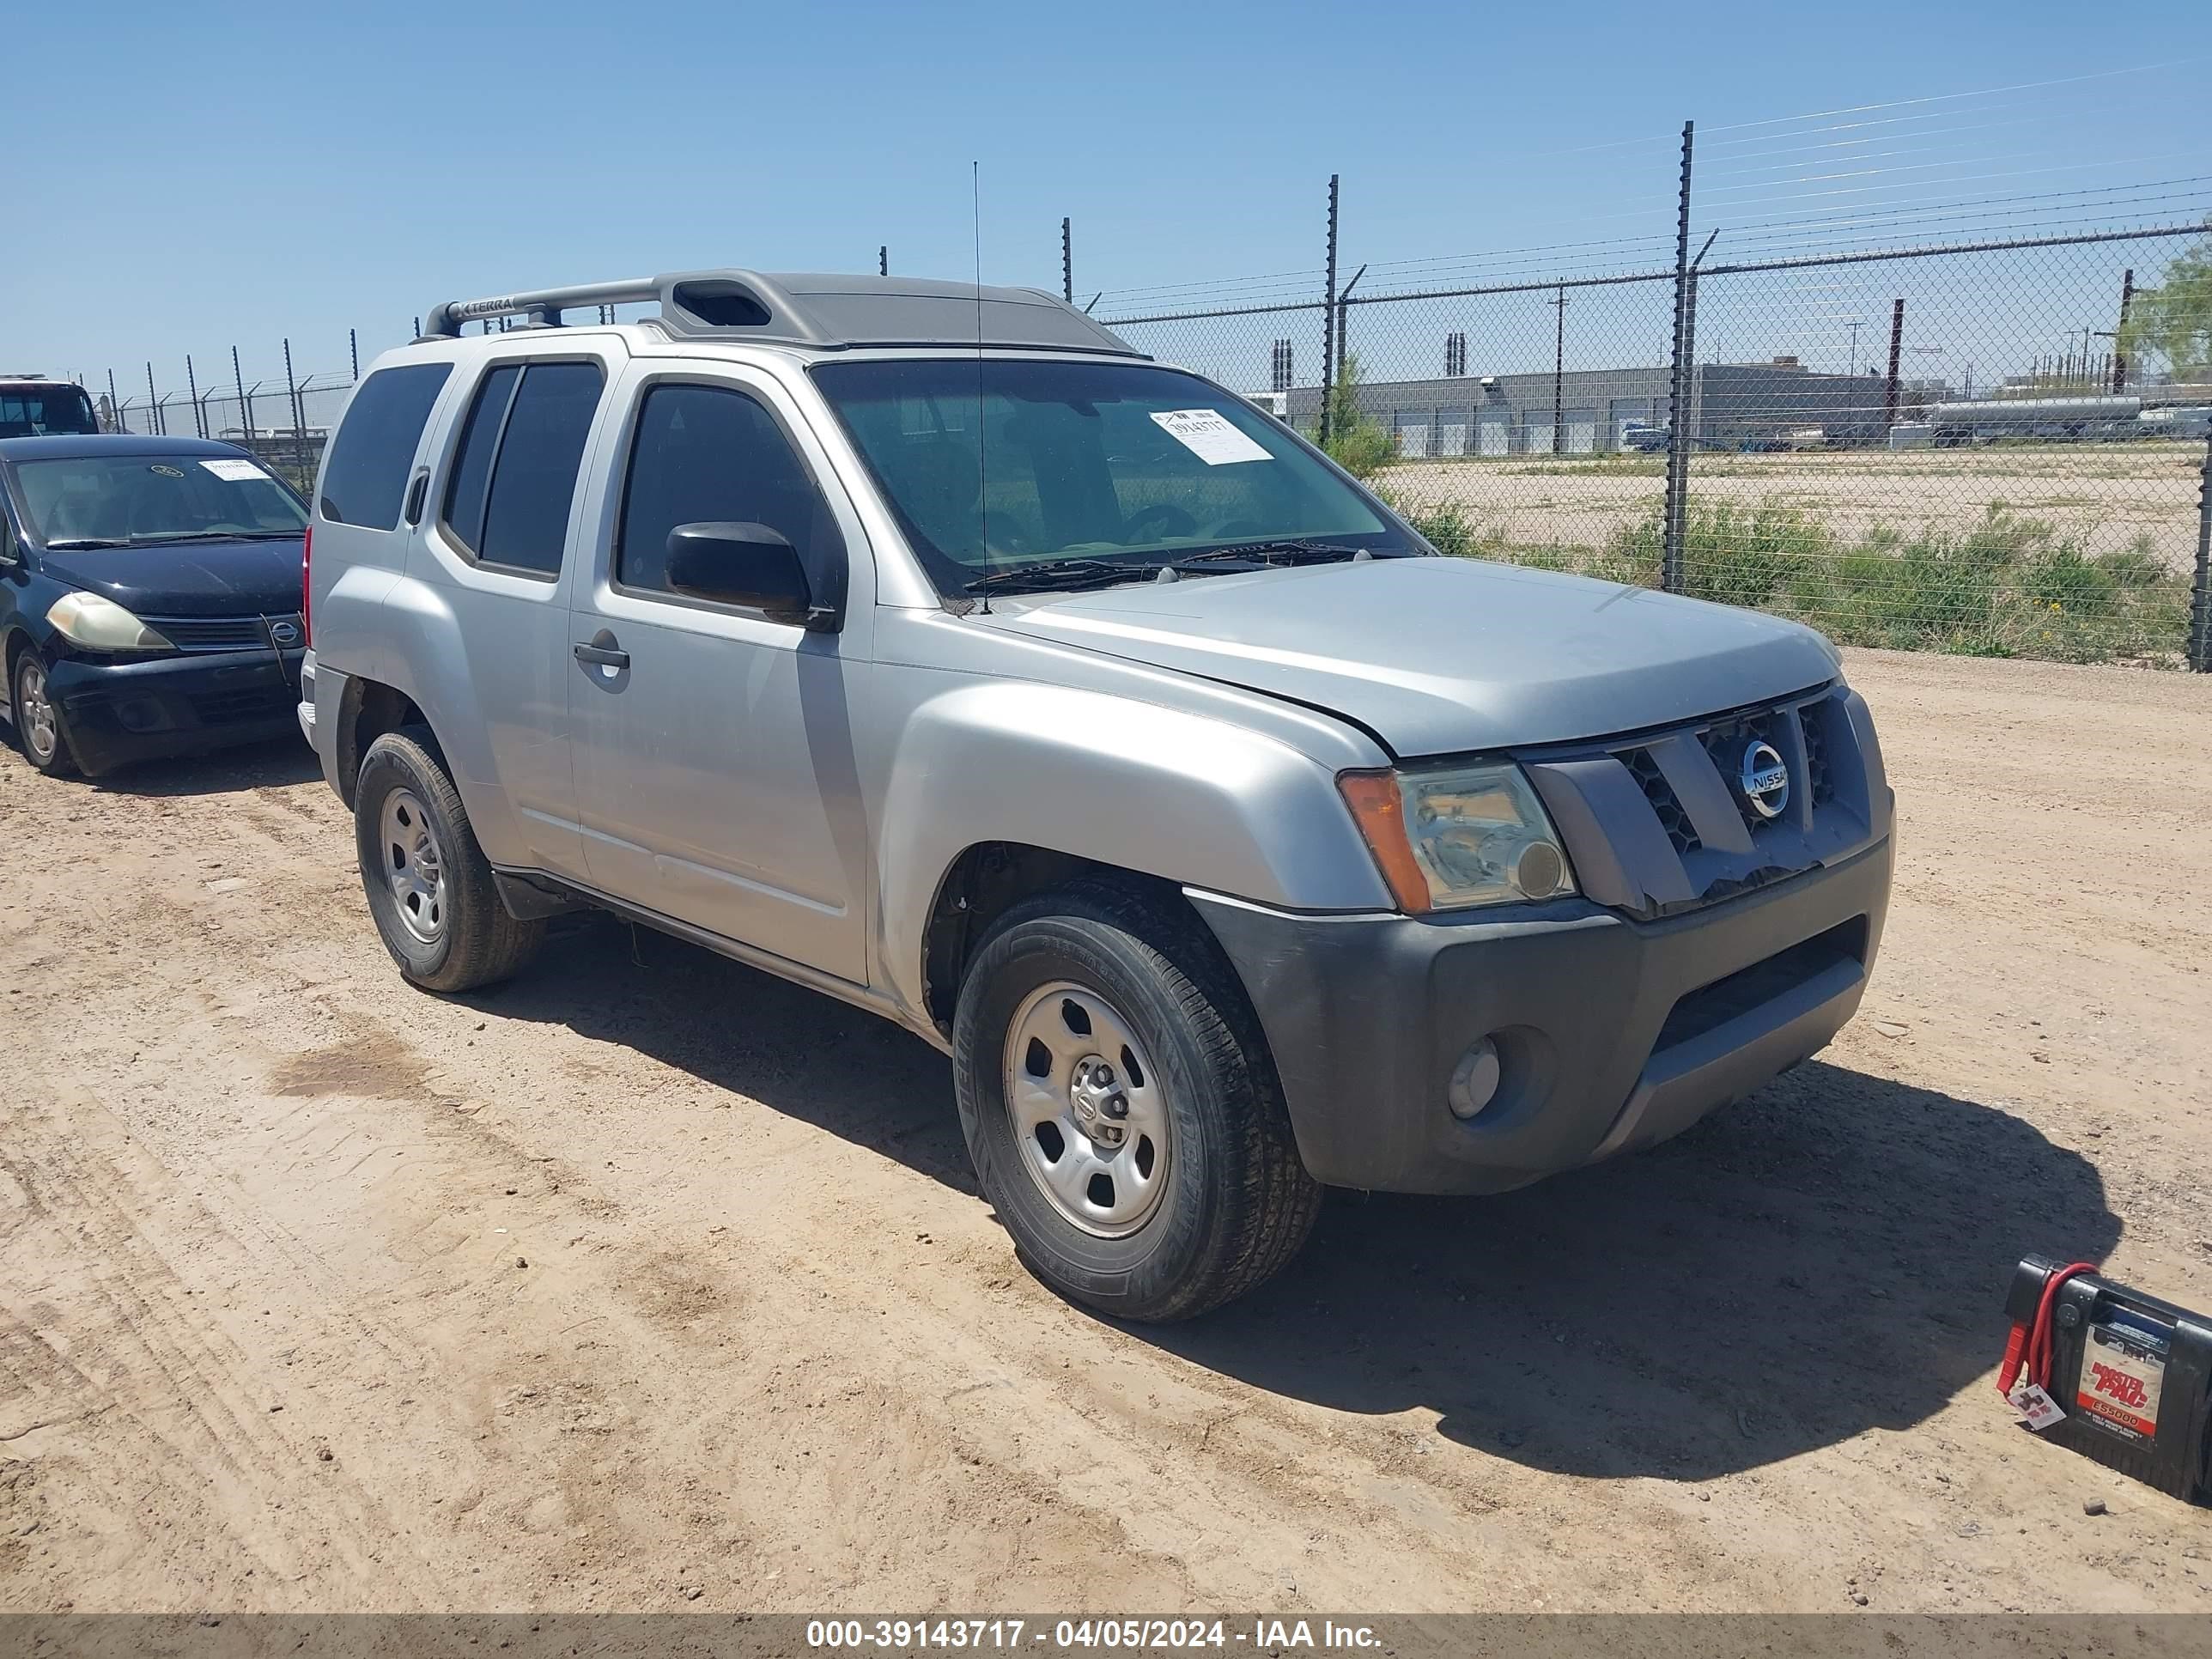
284 633
1764 778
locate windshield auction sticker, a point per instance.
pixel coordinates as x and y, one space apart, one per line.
235 471
1210 437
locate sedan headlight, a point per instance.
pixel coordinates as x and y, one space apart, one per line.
1460 835
99 624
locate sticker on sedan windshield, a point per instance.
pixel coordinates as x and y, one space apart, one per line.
235 471
161 472
1208 435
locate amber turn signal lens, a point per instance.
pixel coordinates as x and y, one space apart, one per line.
1379 810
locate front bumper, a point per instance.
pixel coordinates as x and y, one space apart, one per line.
1615 1033
119 712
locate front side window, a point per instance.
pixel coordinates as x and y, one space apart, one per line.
366 476
130 500
514 477
997 465
708 454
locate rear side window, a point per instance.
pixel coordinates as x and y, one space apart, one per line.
706 454
366 475
514 477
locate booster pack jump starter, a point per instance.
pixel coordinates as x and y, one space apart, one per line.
2111 1373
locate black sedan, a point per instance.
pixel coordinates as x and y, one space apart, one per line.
150 598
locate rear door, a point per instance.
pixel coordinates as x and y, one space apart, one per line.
716 781
496 540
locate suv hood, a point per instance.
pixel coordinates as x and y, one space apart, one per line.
1440 656
189 578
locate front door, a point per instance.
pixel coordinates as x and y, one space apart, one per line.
715 777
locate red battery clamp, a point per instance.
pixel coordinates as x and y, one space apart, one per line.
2113 1374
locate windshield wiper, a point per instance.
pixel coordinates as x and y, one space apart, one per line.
72 543
212 536
1049 574
1291 550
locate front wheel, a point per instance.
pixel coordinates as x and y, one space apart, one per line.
429 883
1122 1109
38 729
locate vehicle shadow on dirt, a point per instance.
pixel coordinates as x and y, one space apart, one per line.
1826 1257
797 1052
273 764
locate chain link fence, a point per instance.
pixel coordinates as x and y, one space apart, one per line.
1961 448
2001 447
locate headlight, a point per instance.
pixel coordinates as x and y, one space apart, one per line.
1458 836
99 625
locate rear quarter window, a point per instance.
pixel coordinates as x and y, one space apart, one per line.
365 479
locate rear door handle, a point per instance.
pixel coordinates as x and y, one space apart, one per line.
603 656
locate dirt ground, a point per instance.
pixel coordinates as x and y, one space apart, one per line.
2104 498
649 1282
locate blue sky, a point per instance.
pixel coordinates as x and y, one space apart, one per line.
218 175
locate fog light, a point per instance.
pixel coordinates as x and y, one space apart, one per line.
1474 1080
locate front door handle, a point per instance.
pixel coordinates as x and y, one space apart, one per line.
602 652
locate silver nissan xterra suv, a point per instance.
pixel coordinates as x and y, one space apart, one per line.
929 646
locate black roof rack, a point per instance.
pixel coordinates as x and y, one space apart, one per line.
826 312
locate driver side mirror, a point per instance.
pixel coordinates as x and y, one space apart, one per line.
743 563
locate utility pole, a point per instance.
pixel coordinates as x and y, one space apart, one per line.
1067 261
1896 351
1328 318
1559 377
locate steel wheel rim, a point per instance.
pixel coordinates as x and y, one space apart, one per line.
1076 1077
36 712
414 866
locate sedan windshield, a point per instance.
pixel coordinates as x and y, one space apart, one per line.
1093 469
128 501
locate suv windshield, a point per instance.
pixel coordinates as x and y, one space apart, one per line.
29 411
123 500
1097 466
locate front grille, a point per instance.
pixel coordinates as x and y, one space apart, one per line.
218 633
250 702
1813 721
1664 801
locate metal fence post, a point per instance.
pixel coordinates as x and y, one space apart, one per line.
2200 599
244 409
153 400
353 351
192 391
1067 260
114 405
299 437
1678 399
1328 319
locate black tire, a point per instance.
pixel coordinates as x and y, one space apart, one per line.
60 760
1236 1203
473 938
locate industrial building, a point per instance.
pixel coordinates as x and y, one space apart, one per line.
1595 411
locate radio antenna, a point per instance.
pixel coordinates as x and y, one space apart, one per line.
982 468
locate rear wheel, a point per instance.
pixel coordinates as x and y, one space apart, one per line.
429 884
1122 1109
39 730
